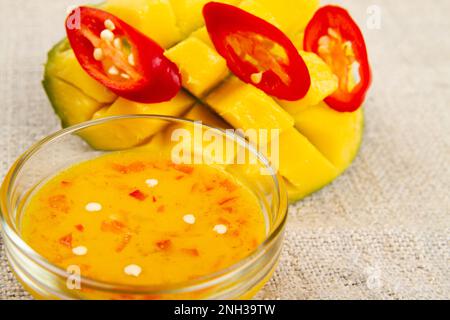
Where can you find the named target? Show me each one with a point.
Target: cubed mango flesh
(302, 164)
(129, 133)
(202, 113)
(292, 15)
(154, 18)
(337, 135)
(246, 107)
(189, 13)
(201, 67)
(194, 141)
(323, 83)
(202, 34)
(260, 10)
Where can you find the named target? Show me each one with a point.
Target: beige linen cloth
(380, 231)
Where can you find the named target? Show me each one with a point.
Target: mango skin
(62, 94)
(63, 64)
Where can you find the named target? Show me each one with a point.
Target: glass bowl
(88, 140)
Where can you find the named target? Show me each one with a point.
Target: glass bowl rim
(178, 287)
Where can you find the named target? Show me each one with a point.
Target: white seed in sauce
(220, 228)
(152, 182)
(132, 270)
(93, 207)
(189, 219)
(107, 35)
(125, 76)
(80, 251)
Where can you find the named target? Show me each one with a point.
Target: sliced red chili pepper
(121, 58)
(59, 202)
(113, 226)
(187, 169)
(133, 167)
(226, 200)
(192, 252)
(257, 52)
(124, 242)
(337, 39)
(229, 185)
(164, 244)
(66, 240)
(137, 194)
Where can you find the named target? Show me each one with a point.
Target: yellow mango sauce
(126, 218)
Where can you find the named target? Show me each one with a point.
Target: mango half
(316, 143)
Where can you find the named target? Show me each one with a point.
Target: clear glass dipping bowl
(64, 148)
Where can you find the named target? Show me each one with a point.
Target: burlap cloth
(379, 231)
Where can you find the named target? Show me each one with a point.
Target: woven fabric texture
(381, 230)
